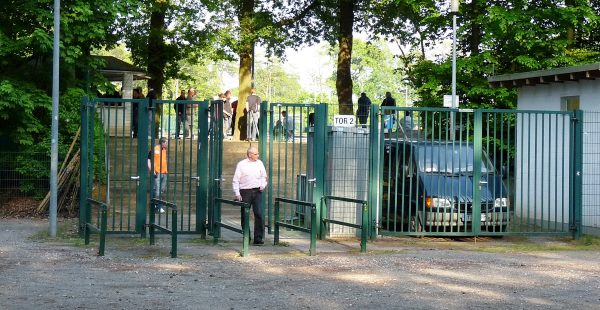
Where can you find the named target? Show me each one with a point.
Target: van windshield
(449, 159)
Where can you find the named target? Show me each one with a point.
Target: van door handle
(481, 182)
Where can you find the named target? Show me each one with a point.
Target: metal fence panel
(292, 174)
(591, 173)
(499, 172)
(118, 164)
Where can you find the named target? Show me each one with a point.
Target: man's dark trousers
(253, 196)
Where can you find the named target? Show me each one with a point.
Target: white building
(562, 89)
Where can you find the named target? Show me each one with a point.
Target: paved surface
(397, 273)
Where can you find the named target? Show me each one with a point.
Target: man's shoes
(258, 242)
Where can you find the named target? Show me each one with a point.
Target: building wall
(548, 97)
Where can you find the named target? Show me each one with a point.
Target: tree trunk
(475, 35)
(156, 52)
(246, 54)
(343, 83)
(156, 47)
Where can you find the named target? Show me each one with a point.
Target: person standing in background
(364, 104)
(137, 94)
(180, 117)
(227, 114)
(189, 113)
(390, 115)
(159, 168)
(253, 108)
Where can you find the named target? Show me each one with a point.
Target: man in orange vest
(159, 169)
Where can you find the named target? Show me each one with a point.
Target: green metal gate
(296, 158)
(499, 172)
(115, 165)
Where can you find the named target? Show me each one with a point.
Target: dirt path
(36, 273)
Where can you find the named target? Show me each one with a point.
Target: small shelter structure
(563, 89)
(117, 70)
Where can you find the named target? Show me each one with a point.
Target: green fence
(422, 171)
(498, 172)
(296, 136)
(118, 136)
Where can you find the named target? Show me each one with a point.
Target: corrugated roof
(558, 75)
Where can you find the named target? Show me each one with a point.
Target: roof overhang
(115, 69)
(559, 75)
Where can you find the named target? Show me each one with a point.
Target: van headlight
(434, 202)
(501, 203)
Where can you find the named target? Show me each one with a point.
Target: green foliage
(274, 84)
(368, 75)
(24, 113)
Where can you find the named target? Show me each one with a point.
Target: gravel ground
(397, 273)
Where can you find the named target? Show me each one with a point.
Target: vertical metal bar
(152, 221)
(121, 175)
(263, 135)
(364, 232)
(577, 173)
(202, 169)
(84, 168)
(246, 230)
(86, 228)
(54, 131)
(270, 162)
(276, 221)
(556, 178)
(187, 208)
(319, 149)
(375, 153)
(313, 229)
(543, 181)
(323, 206)
(142, 168)
(174, 232)
(103, 224)
(92, 148)
(477, 148)
(130, 170)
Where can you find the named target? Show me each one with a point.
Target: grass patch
(586, 243)
(67, 232)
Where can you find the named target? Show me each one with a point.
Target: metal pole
(54, 140)
(454, 103)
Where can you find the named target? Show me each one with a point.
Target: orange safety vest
(160, 159)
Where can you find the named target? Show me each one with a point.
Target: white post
(54, 130)
(454, 11)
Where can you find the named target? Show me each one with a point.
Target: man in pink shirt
(249, 182)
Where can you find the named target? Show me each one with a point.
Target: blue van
(428, 187)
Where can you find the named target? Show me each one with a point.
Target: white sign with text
(343, 120)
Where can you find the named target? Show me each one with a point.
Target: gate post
(319, 147)
(576, 175)
(202, 169)
(264, 133)
(271, 222)
(142, 168)
(375, 169)
(478, 150)
(83, 168)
